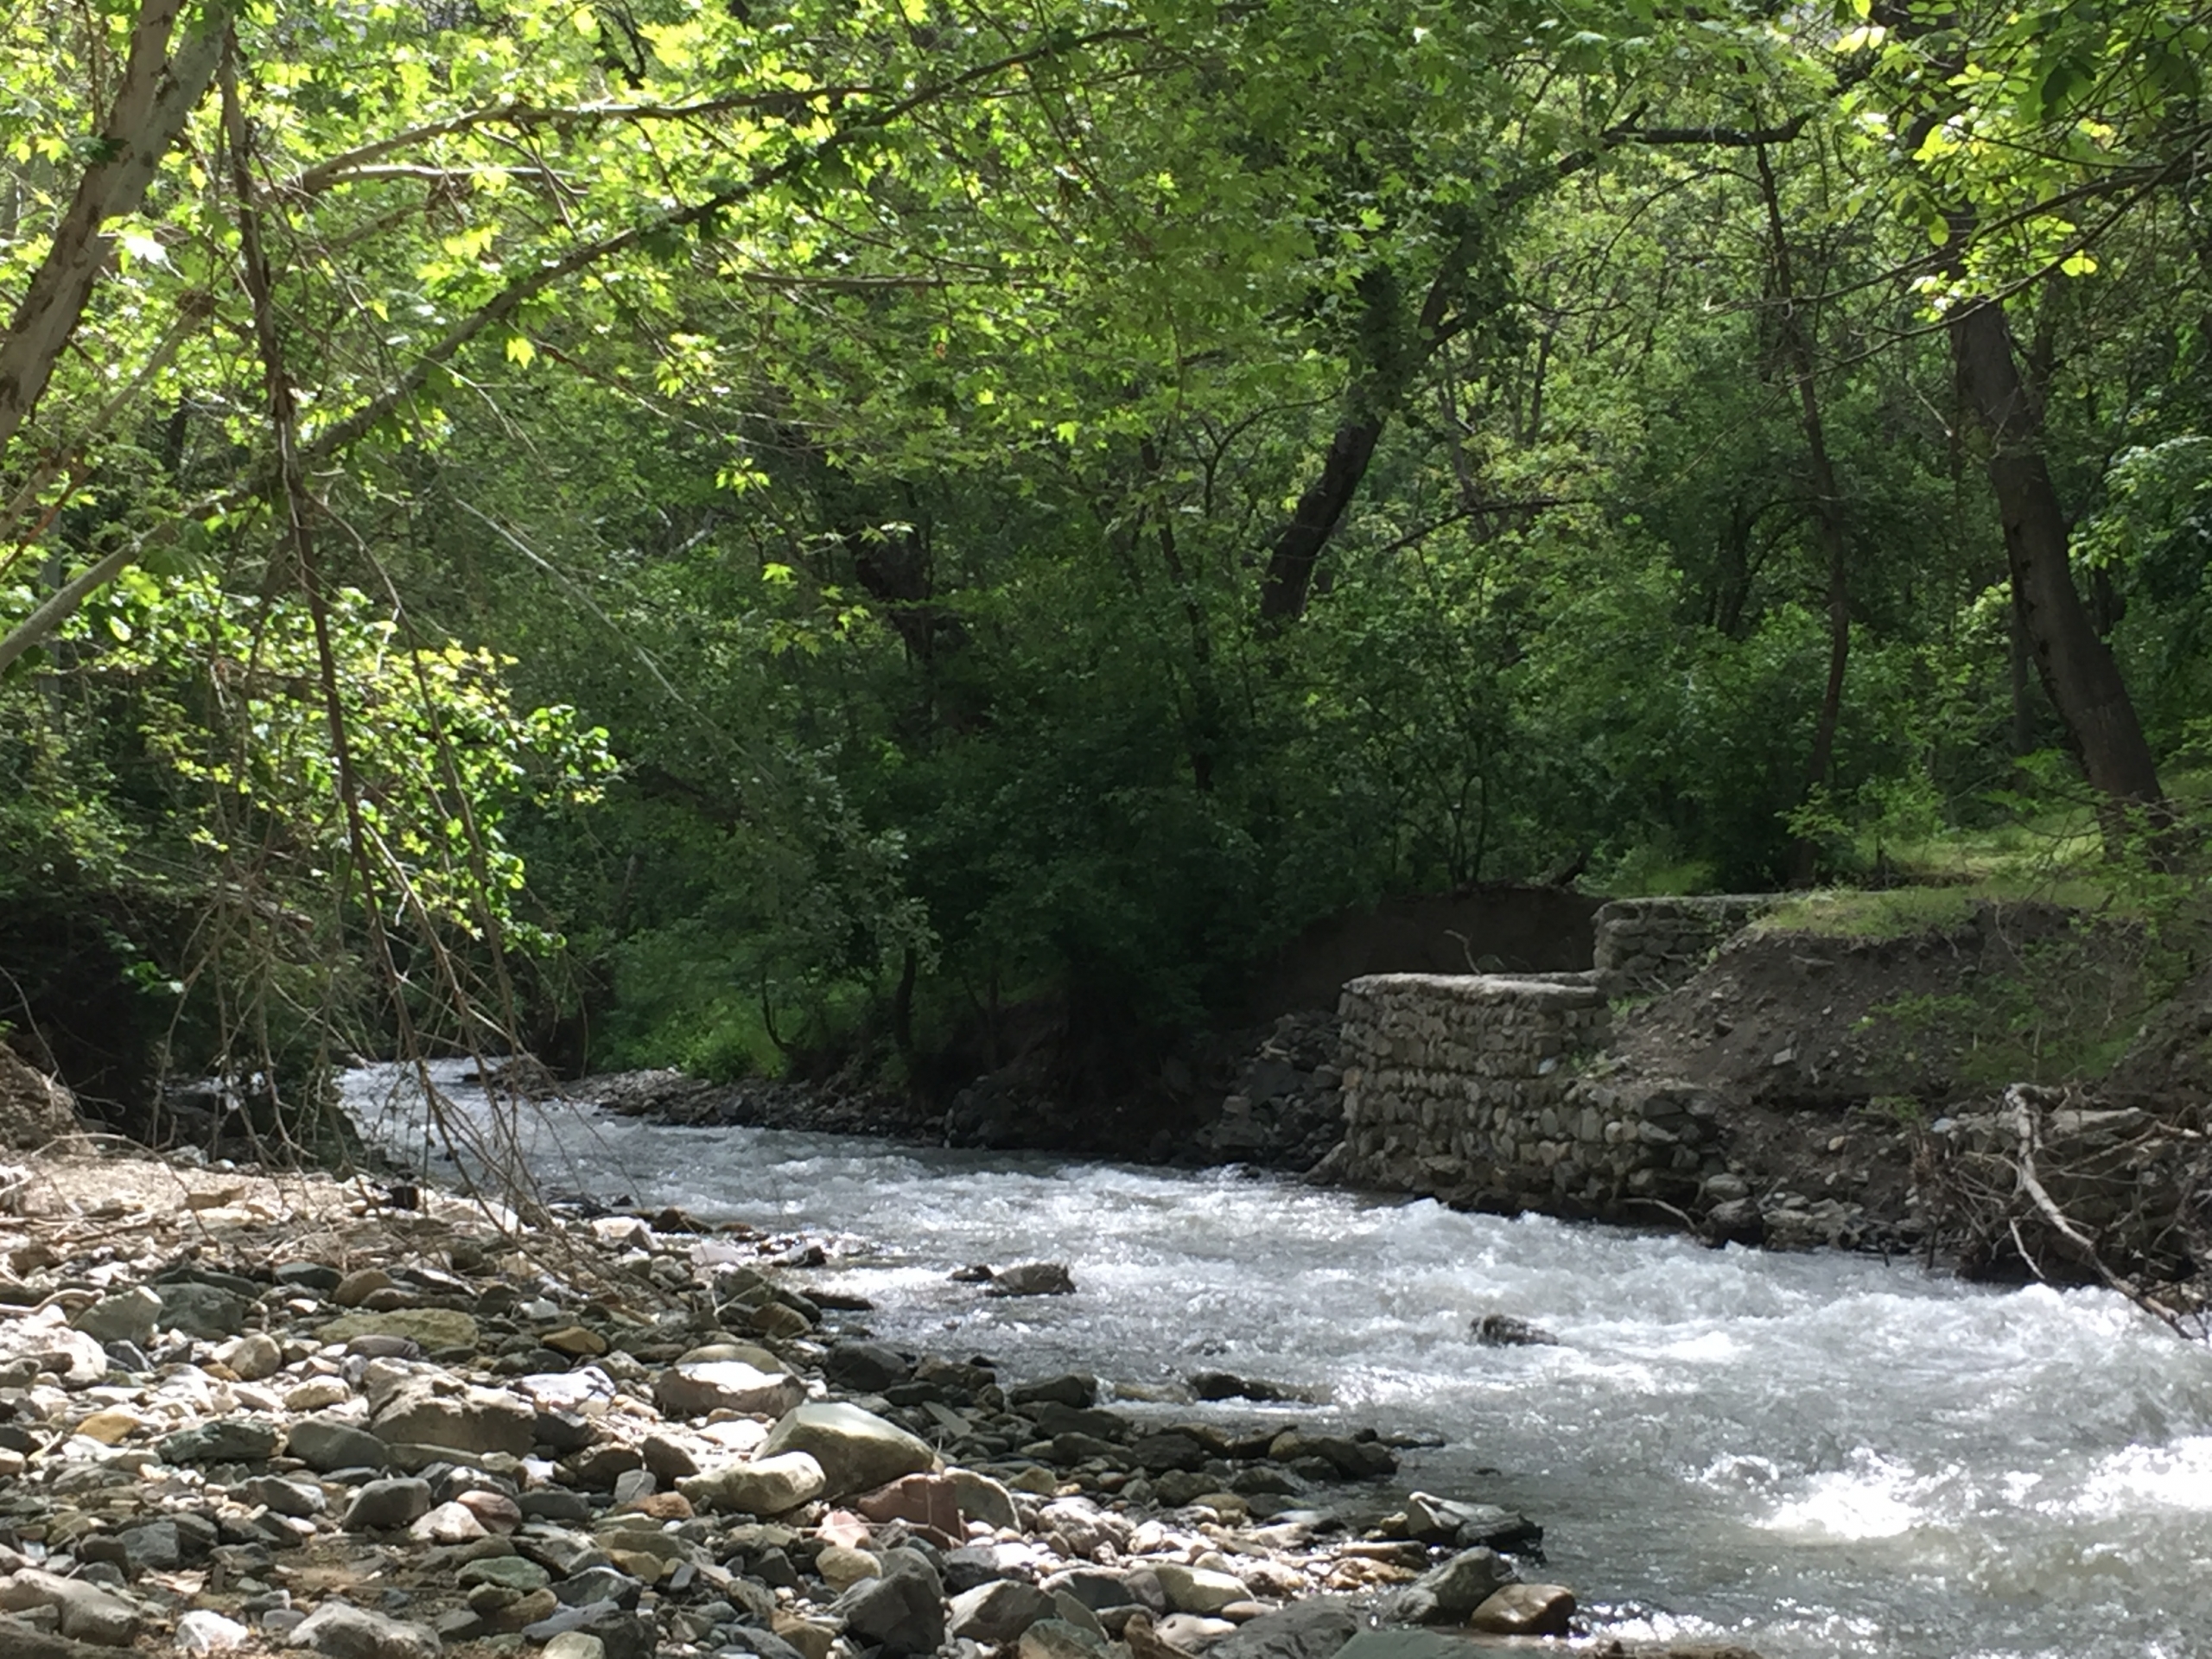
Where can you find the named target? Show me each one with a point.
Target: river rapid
(1814, 1455)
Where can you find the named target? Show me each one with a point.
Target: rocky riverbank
(241, 1414)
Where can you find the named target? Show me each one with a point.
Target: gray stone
(692, 1390)
(381, 1505)
(227, 1439)
(85, 1613)
(1201, 1590)
(762, 1644)
(1435, 1520)
(347, 1632)
(764, 1485)
(283, 1496)
(127, 1316)
(327, 1443)
(563, 1554)
(201, 1311)
(506, 1573)
(1055, 1638)
(998, 1611)
(430, 1411)
(982, 1498)
(901, 1613)
(153, 1546)
(621, 1635)
(865, 1367)
(1314, 1628)
(599, 1583)
(857, 1450)
(1447, 1595)
(554, 1503)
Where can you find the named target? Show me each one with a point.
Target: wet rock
(382, 1505)
(230, 1440)
(1526, 1609)
(574, 1644)
(347, 1632)
(999, 1612)
(1446, 1520)
(693, 1390)
(1033, 1279)
(1353, 1460)
(1505, 1330)
(1075, 1389)
(434, 1411)
(327, 1444)
(1227, 1385)
(1448, 1593)
(856, 1449)
(1313, 1629)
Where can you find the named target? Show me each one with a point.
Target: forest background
(723, 534)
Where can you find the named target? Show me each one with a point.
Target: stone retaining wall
(1466, 1088)
(1644, 946)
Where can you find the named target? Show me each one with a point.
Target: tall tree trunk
(2077, 670)
(1827, 515)
(158, 91)
(1382, 372)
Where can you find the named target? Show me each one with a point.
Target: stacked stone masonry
(1645, 946)
(1465, 1088)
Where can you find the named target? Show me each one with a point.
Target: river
(1814, 1455)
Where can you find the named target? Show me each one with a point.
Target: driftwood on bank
(2050, 1184)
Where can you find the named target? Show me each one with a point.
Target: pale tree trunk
(157, 93)
(2076, 667)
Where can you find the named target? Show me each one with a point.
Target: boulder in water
(1033, 1279)
(1505, 1330)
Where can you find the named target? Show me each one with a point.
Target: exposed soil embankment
(2020, 1094)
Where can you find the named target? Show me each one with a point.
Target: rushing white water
(1815, 1455)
